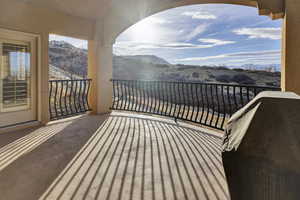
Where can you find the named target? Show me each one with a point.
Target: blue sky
(209, 34)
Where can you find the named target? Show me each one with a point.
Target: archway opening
(207, 38)
(198, 63)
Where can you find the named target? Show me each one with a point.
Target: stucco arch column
(100, 71)
(290, 79)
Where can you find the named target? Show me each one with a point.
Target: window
(14, 76)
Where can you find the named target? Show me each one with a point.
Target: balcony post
(43, 80)
(290, 76)
(100, 71)
(92, 68)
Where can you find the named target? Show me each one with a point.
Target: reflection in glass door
(17, 91)
(15, 77)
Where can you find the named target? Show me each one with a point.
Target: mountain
(68, 58)
(132, 69)
(148, 59)
(71, 62)
(57, 73)
(269, 68)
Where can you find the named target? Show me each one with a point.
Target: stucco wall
(24, 17)
(28, 18)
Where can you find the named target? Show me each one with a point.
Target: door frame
(19, 35)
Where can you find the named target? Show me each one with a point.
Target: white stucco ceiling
(89, 9)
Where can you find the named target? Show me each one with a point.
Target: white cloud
(215, 42)
(128, 47)
(266, 33)
(262, 55)
(199, 15)
(197, 31)
(137, 47)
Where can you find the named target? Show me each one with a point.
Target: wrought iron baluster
(179, 100)
(87, 94)
(60, 99)
(132, 96)
(171, 99)
(229, 101)
(218, 106)
(224, 107)
(75, 96)
(235, 98)
(128, 95)
(114, 95)
(83, 96)
(241, 96)
(166, 98)
(143, 95)
(155, 96)
(50, 100)
(140, 96)
(79, 95)
(65, 98)
(193, 102)
(203, 104)
(213, 105)
(122, 95)
(207, 104)
(174, 99)
(188, 103)
(147, 96)
(136, 95)
(184, 102)
(248, 95)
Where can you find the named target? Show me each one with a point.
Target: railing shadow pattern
(136, 158)
(68, 97)
(208, 104)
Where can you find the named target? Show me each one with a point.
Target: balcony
(162, 141)
(125, 155)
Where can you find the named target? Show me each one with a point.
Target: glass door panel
(15, 77)
(17, 81)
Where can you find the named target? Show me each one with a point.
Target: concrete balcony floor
(113, 156)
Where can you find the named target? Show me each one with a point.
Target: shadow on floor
(135, 158)
(33, 161)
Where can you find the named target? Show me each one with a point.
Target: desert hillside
(65, 57)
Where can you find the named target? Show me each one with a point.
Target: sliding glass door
(17, 80)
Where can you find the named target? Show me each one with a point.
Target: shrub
(238, 69)
(211, 76)
(243, 79)
(195, 75)
(272, 84)
(223, 78)
(222, 68)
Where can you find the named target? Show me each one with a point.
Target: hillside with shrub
(65, 57)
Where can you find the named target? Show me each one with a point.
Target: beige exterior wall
(24, 17)
(291, 47)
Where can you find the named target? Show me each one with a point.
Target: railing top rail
(202, 83)
(58, 80)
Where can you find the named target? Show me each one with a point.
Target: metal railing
(208, 104)
(68, 97)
